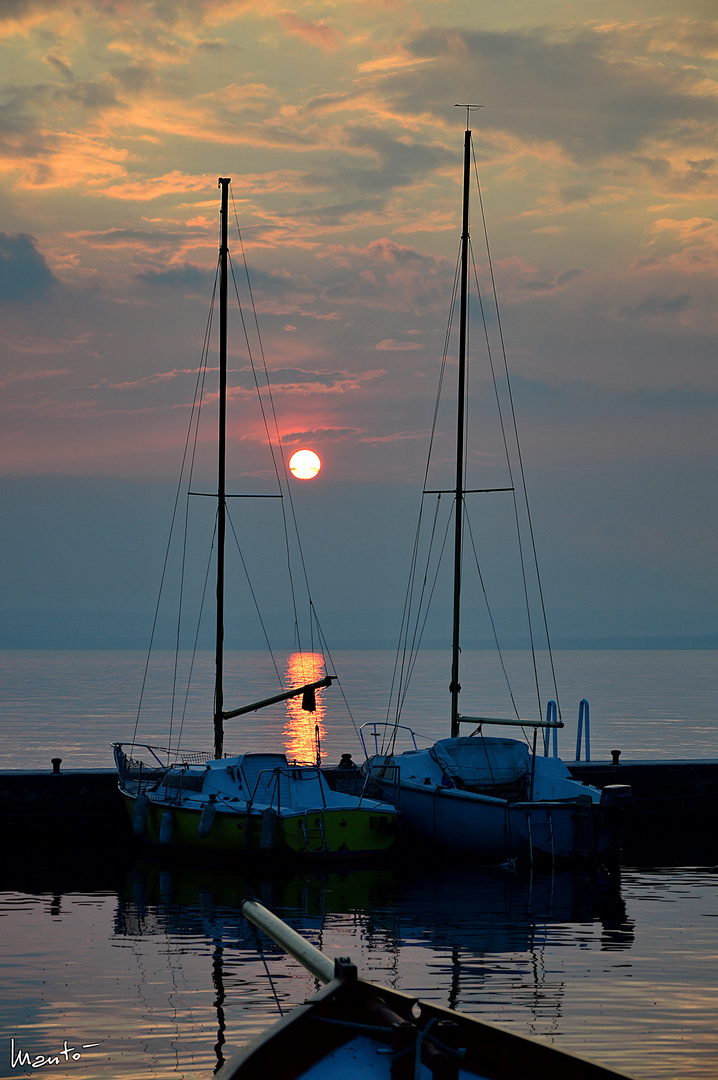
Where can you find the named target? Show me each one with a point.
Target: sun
(304, 464)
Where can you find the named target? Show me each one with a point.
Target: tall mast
(223, 183)
(455, 686)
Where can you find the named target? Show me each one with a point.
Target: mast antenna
(469, 110)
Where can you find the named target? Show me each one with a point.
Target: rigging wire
(286, 487)
(417, 596)
(522, 561)
(491, 616)
(254, 598)
(283, 480)
(524, 486)
(198, 625)
(194, 421)
(405, 657)
(184, 482)
(260, 400)
(421, 623)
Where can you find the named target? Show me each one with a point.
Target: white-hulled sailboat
(489, 797)
(249, 802)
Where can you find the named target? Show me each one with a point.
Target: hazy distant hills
(28, 629)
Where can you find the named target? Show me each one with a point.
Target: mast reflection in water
(303, 730)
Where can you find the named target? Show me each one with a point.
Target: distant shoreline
(31, 629)
(698, 643)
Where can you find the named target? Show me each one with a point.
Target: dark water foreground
(124, 964)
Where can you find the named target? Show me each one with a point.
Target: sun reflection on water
(304, 731)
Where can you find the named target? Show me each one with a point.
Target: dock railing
(583, 725)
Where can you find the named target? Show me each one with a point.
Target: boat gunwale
(434, 789)
(513, 1055)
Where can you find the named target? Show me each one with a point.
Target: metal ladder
(547, 827)
(584, 830)
(314, 832)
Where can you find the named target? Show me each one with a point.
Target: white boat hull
(491, 799)
(468, 824)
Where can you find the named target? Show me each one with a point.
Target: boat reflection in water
(304, 730)
(471, 938)
(152, 956)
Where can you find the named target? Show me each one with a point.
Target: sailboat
(482, 796)
(251, 802)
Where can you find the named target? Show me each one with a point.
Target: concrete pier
(85, 804)
(78, 803)
(669, 792)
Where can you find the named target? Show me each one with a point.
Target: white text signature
(36, 1061)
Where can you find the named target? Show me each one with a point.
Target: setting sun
(304, 464)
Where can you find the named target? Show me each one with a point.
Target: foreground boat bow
(354, 1028)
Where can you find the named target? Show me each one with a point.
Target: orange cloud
(148, 380)
(24, 376)
(172, 183)
(40, 346)
(394, 436)
(319, 34)
(319, 382)
(390, 345)
(695, 234)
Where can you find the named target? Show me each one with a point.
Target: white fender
(167, 827)
(139, 818)
(269, 829)
(206, 819)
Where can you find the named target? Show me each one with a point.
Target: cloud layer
(595, 146)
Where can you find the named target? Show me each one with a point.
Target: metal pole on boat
(223, 183)
(455, 686)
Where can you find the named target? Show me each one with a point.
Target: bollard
(56, 763)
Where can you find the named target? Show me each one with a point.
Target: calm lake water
(153, 962)
(73, 705)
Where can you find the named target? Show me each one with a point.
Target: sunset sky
(597, 147)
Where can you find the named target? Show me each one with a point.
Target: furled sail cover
(482, 762)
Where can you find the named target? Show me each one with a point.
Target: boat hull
(489, 798)
(467, 824)
(352, 832)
